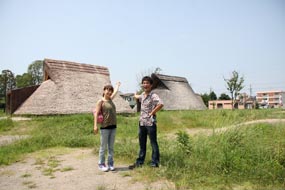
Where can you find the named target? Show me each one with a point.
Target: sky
(201, 40)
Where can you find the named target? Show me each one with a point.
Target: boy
(150, 104)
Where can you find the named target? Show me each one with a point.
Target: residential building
(271, 99)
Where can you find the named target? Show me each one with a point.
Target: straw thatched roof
(176, 93)
(69, 88)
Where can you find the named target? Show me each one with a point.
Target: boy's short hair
(147, 78)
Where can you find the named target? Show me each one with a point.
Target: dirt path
(17, 118)
(74, 170)
(7, 139)
(203, 131)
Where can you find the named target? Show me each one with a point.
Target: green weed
(6, 124)
(67, 168)
(26, 175)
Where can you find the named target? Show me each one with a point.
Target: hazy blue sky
(202, 40)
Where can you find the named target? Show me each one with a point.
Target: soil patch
(17, 118)
(7, 139)
(76, 169)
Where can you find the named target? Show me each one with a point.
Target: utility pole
(250, 91)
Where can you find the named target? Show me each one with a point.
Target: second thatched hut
(176, 93)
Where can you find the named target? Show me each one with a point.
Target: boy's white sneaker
(112, 168)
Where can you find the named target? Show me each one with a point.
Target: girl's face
(146, 86)
(108, 93)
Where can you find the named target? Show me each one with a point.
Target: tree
(224, 96)
(24, 80)
(213, 95)
(34, 76)
(205, 97)
(157, 70)
(7, 82)
(234, 86)
(36, 71)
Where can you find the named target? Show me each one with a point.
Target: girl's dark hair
(147, 78)
(108, 87)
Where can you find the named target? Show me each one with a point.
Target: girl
(108, 126)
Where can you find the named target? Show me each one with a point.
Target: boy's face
(146, 86)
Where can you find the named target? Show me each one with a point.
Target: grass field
(244, 157)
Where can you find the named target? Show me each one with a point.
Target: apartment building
(271, 99)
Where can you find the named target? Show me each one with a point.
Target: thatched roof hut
(69, 88)
(176, 93)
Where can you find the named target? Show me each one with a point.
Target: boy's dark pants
(143, 132)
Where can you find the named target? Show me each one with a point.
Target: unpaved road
(75, 170)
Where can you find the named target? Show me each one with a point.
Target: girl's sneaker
(103, 167)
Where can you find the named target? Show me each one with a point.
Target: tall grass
(6, 124)
(171, 120)
(51, 131)
(2, 113)
(247, 154)
(251, 156)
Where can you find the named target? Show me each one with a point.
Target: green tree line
(8, 80)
